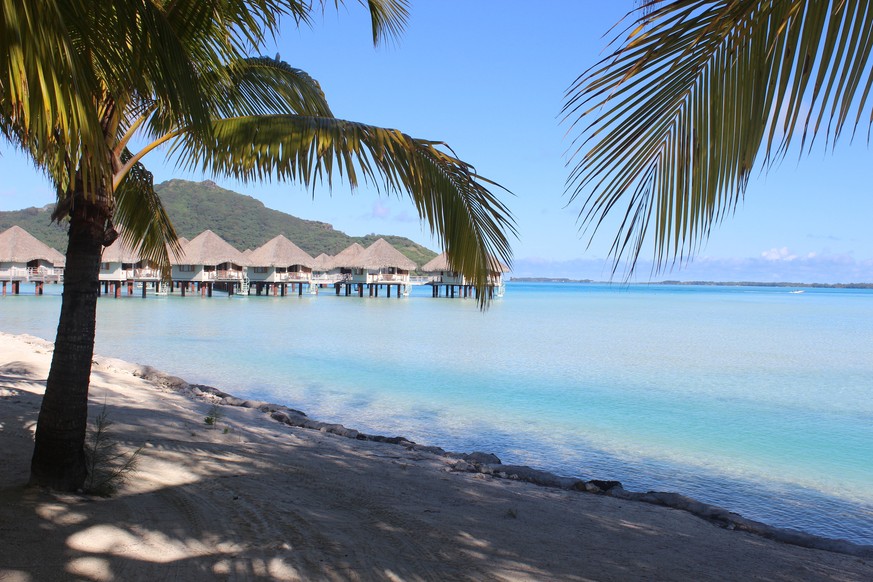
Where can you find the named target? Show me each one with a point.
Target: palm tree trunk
(59, 456)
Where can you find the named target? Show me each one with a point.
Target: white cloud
(380, 210)
(782, 254)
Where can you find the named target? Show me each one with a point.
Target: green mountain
(38, 222)
(241, 220)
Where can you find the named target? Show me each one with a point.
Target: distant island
(709, 283)
(549, 280)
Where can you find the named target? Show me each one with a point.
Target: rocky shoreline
(490, 464)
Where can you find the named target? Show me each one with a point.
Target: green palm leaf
(448, 193)
(388, 18)
(671, 124)
(44, 91)
(143, 221)
(253, 86)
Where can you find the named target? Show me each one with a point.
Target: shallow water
(751, 398)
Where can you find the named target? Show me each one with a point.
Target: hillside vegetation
(38, 222)
(241, 220)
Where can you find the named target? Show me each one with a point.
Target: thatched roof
(322, 262)
(280, 252)
(207, 248)
(119, 252)
(350, 257)
(19, 246)
(381, 255)
(438, 263)
(441, 263)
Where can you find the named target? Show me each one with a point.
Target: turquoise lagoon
(752, 398)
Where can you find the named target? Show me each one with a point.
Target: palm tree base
(59, 453)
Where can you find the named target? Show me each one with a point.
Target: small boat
(796, 292)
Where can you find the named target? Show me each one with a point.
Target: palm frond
(143, 221)
(262, 85)
(388, 18)
(449, 195)
(44, 92)
(252, 86)
(670, 126)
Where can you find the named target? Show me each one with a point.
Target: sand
(253, 499)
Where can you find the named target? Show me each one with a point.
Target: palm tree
(176, 73)
(699, 92)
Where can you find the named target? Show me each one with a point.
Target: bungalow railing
(388, 278)
(14, 273)
(294, 276)
(46, 274)
(146, 273)
(327, 278)
(225, 274)
(42, 273)
(491, 281)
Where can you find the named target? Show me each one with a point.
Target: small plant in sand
(108, 467)
(214, 415)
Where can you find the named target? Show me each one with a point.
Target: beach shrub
(214, 415)
(108, 466)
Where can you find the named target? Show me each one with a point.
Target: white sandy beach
(255, 499)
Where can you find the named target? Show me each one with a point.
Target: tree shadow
(247, 504)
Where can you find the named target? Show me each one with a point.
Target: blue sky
(488, 77)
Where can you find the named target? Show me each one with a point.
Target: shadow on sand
(266, 502)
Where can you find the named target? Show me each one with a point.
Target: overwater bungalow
(278, 264)
(322, 265)
(122, 266)
(444, 278)
(379, 265)
(24, 258)
(207, 261)
(117, 267)
(323, 273)
(386, 266)
(348, 268)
